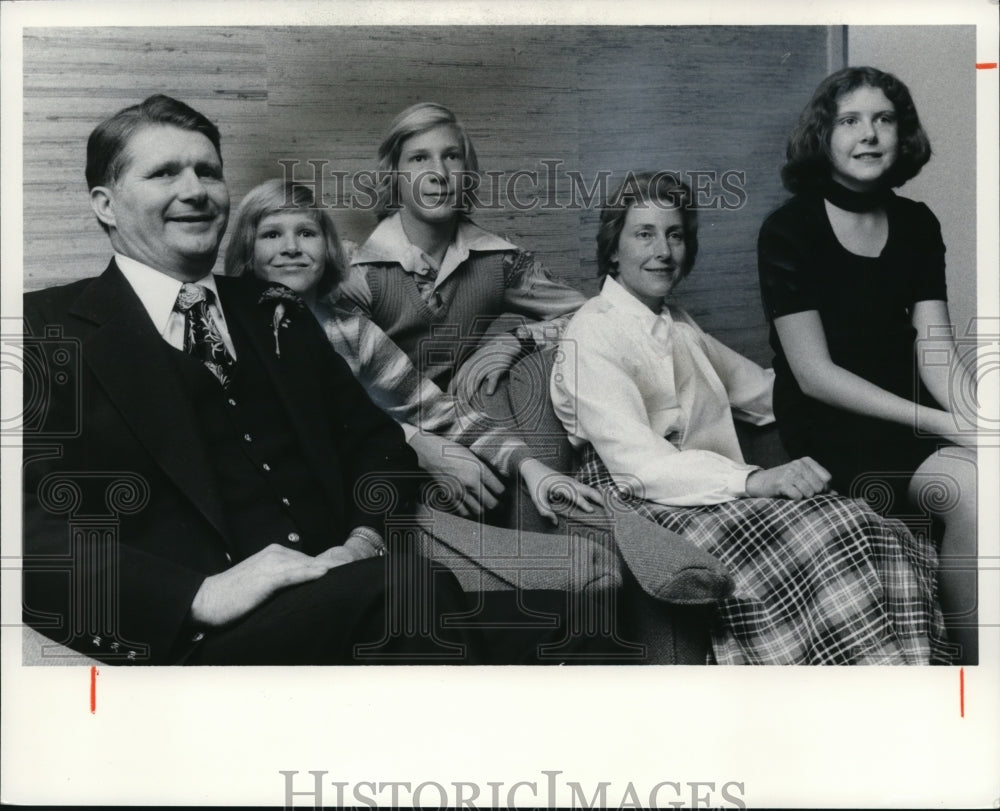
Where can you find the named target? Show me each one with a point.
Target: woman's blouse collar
(621, 299)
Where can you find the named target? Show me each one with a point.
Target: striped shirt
(395, 386)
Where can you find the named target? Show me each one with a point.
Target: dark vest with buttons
(269, 492)
(437, 341)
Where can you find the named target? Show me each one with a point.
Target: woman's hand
(799, 479)
(473, 487)
(550, 490)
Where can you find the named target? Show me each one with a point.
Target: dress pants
(349, 616)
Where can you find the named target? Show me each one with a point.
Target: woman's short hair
(106, 146)
(663, 189)
(271, 197)
(808, 153)
(413, 121)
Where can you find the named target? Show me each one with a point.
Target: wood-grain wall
(593, 99)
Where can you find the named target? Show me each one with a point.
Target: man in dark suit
(202, 484)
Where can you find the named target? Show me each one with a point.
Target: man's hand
(234, 593)
(799, 479)
(337, 556)
(550, 490)
(486, 366)
(474, 486)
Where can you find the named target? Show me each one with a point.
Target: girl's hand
(467, 485)
(955, 426)
(802, 478)
(550, 490)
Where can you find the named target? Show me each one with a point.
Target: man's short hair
(106, 145)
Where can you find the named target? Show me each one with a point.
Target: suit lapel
(126, 356)
(293, 374)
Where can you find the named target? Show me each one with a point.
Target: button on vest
(269, 492)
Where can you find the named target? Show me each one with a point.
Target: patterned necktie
(425, 274)
(202, 338)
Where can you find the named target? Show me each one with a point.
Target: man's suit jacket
(121, 504)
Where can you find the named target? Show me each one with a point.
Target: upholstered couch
(663, 598)
(623, 584)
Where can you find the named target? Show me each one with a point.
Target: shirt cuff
(738, 481)
(544, 333)
(518, 455)
(409, 431)
(505, 453)
(526, 340)
(365, 542)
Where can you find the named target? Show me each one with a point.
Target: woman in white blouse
(650, 400)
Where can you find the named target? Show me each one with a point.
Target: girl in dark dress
(853, 283)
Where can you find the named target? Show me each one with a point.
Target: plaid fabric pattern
(820, 581)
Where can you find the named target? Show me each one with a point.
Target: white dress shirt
(158, 293)
(656, 396)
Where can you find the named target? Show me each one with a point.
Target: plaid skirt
(824, 580)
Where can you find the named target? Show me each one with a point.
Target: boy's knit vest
(437, 341)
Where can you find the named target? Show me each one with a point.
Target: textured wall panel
(73, 78)
(595, 99)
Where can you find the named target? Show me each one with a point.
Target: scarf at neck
(857, 201)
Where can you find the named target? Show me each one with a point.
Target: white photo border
(788, 737)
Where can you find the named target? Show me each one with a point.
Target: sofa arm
(666, 565)
(533, 415)
(489, 558)
(37, 649)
